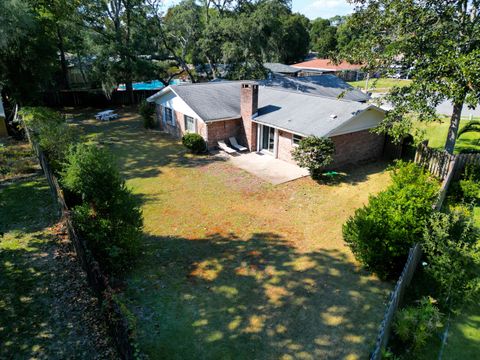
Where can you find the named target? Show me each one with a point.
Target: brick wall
(222, 130)
(248, 107)
(178, 130)
(285, 146)
(350, 148)
(358, 146)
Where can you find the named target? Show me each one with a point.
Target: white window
(189, 124)
(296, 139)
(169, 119)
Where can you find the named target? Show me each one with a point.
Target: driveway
(266, 167)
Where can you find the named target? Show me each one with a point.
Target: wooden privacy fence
(116, 318)
(438, 162)
(444, 166)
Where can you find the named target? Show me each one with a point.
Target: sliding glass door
(268, 138)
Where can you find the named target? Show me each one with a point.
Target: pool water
(148, 85)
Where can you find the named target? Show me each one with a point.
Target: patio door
(268, 139)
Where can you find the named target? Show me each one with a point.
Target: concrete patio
(266, 167)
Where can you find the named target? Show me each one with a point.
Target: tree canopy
(121, 41)
(438, 41)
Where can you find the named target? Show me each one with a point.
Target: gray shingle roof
(281, 68)
(212, 101)
(300, 112)
(304, 114)
(325, 85)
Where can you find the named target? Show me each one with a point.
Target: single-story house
(344, 70)
(3, 126)
(269, 119)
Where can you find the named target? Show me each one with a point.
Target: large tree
(323, 37)
(438, 40)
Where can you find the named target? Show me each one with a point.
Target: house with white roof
(272, 117)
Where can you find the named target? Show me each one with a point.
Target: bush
(470, 183)
(314, 153)
(52, 134)
(147, 111)
(452, 254)
(109, 218)
(381, 233)
(416, 324)
(194, 142)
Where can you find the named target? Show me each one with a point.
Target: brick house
(344, 70)
(269, 119)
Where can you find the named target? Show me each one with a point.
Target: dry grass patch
(234, 267)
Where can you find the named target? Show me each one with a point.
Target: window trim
(172, 118)
(185, 117)
(293, 139)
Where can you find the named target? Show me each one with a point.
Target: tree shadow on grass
(143, 153)
(223, 297)
(352, 174)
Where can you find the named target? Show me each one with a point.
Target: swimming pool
(148, 85)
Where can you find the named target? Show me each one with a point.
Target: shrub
(416, 324)
(381, 233)
(470, 183)
(147, 111)
(314, 153)
(109, 217)
(194, 142)
(51, 132)
(451, 248)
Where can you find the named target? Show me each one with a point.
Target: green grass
(436, 133)
(233, 267)
(380, 85)
(46, 311)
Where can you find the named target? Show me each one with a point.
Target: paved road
(444, 108)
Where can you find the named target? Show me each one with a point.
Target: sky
(321, 8)
(311, 8)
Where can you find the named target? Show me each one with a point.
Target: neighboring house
(269, 119)
(3, 125)
(326, 85)
(344, 70)
(277, 68)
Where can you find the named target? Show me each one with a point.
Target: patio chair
(236, 145)
(225, 147)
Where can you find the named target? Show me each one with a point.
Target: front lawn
(436, 133)
(380, 85)
(233, 267)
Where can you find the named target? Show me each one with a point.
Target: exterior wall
(357, 147)
(349, 148)
(178, 130)
(285, 146)
(222, 130)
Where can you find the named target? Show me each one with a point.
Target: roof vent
(333, 116)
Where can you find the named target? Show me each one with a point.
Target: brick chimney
(249, 107)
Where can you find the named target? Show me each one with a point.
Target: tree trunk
(128, 84)
(454, 125)
(63, 60)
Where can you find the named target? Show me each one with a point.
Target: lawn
(380, 85)
(46, 309)
(436, 133)
(233, 267)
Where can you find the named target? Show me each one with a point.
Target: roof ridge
(308, 94)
